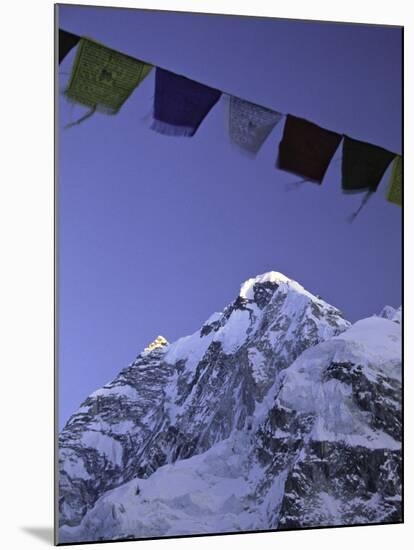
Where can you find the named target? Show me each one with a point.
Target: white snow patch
(372, 344)
(258, 363)
(216, 316)
(123, 427)
(375, 341)
(389, 312)
(125, 390)
(190, 349)
(74, 467)
(330, 504)
(84, 409)
(365, 438)
(203, 494)
(233, 334)
(104, 444)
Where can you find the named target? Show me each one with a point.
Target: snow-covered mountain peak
(255, 288)
(273, 410)
(374, 341)
(159, 342)
(272, 315)
(389, 312)
(247, 288)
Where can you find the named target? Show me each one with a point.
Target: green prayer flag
(394, 193)
(363, 165)
(103, 79)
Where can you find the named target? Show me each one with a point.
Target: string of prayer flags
(103, 79)
(363, 165)
(250, 124)
(67, 41)
(394, 193)
(180, 104)
(306, 149)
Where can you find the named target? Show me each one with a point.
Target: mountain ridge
(227, 382)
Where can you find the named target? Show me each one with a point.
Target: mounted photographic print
(228, 272)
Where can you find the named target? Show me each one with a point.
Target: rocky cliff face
(277, 413)
(333, 435)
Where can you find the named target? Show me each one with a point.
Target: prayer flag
(394, 193)
(67, 41)
(363, 165)
(103, 79)
(250, 124)
(180, 104)
(306, 149)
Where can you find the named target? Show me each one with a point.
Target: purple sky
(157, 233)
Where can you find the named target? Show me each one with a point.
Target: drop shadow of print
(42, 533)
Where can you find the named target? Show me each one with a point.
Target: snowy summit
(277, 413)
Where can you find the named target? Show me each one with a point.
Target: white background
(26, 273)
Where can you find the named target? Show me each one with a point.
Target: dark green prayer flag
(363, 165)
(67, 41)
(103, 79)
(394, 193)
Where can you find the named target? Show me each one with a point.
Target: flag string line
(223, 92)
